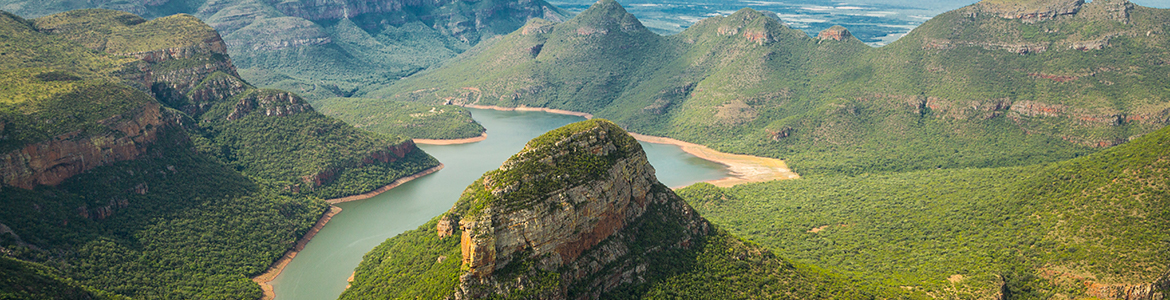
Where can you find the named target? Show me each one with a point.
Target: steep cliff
(122, 170)
(578, 214)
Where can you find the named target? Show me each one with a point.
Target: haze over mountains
(323, 49)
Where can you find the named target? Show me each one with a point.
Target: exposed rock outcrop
(566, 207)
(836, 33)
(270, 103)
(1031, 11)
(61, 157)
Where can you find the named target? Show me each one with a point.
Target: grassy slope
(410, 119)
(1044, 229)
(833, 107)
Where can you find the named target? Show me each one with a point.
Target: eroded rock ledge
(564, 213)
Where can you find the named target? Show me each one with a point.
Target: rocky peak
(836, 33)
(562, 208)
(759, 27)
(1031, 10)
(604, 17)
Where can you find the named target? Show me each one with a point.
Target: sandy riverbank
(380, 190)
(451, 141)
(526, 108)
(277, 267)
(274, 270)
(744, 168)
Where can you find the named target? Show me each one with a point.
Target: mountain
(997, 83)
(136, 162)
(1094, 227)
(412, 119)
(324, 49)
(578, 213)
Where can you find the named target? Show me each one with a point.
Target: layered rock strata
(566, 208)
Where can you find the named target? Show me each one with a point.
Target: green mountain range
(136, 162)
(1005, 150)
(323, 49)
(969, 88)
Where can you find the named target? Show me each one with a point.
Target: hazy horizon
(875, 22)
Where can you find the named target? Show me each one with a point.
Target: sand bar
(277, 267)
(526, 108)
(744, 168)
(481, 137)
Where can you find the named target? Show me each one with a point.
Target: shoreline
(396, 183)
(743, 168)
(277, 267)
(528, 108)
(482, 136)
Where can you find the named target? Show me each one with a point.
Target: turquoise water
(321, 269)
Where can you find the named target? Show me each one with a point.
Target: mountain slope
(1094, 226)
(962, 90)
(109, 179)
(579, 214)
(324, 49)
(412, 119)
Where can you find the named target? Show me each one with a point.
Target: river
(321, 269)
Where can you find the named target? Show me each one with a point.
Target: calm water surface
(320, 271)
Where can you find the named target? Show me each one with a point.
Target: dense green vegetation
(285, 150)
(416, 264)
(676, 254)
(122, 32)
(179, 225)
(399, 118)
(947, 95)
(25, 280)
(420, 264)
(208, 203)
(1042, 230)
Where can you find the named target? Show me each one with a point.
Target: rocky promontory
(577, 214)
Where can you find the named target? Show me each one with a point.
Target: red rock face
(61, 157)
(836, 33)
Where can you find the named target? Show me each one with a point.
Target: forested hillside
(111, 185)
(324, 49)
(1095, 226)
(974, 87)
(411, 119)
